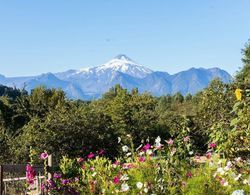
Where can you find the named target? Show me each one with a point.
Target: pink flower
(80, 160)
(170, 142)
(116, 180)
(146, 147)
(44, 155)
(91, 155)
(212, 145)
(208, 155)
(189, 174)
(223, 182)
(116, 163)
(186, 139)
(30, 174)
(127, 166)
(92, 168)
(141, 159)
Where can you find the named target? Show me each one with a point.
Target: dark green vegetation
(47, 120)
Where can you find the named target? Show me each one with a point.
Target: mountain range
(91, 83)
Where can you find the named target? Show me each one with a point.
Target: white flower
(226, 168)
(145, 190)
(139, 185)
(237, 178)
(229, 164)
(173, 151)
(94, 174)
(238, 192)
(220, 171)
(129, 154)
(225, 183)
(246, 182)
(191, 152)
(124, 187)
(125, 148)
(119, 140)
(149, 152)
(124, 177)
(211, 164)
(158, 142)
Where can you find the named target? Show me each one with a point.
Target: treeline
(46, 120)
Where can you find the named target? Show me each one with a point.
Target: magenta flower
(146, 147)
(116, 180)
(212, 145)
(101, 152)
(170, 142)
(44, 155)
(141, 159)
(30, 174)
(91, 155)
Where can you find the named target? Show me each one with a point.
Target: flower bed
(172, 168)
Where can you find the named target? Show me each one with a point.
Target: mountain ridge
(91, 83)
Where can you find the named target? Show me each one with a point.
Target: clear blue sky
(52, 36)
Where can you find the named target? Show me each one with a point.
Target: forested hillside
(46, 119)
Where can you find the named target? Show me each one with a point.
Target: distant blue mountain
(91, 83)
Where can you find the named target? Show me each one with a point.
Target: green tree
(243, 76)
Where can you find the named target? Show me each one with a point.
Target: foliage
(151, 169)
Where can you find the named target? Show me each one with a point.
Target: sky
(166, 35)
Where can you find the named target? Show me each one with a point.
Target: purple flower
(44, 155)
(51, 183)
(57, 175)
(101, 152)
(65, 181)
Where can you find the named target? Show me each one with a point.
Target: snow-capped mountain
(89, 83)
(120, 63)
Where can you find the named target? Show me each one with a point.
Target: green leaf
(234, 121)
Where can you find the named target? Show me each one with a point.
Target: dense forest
(46, 120)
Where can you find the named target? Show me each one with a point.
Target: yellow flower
(238, 94)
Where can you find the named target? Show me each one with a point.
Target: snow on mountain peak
(120, 63)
